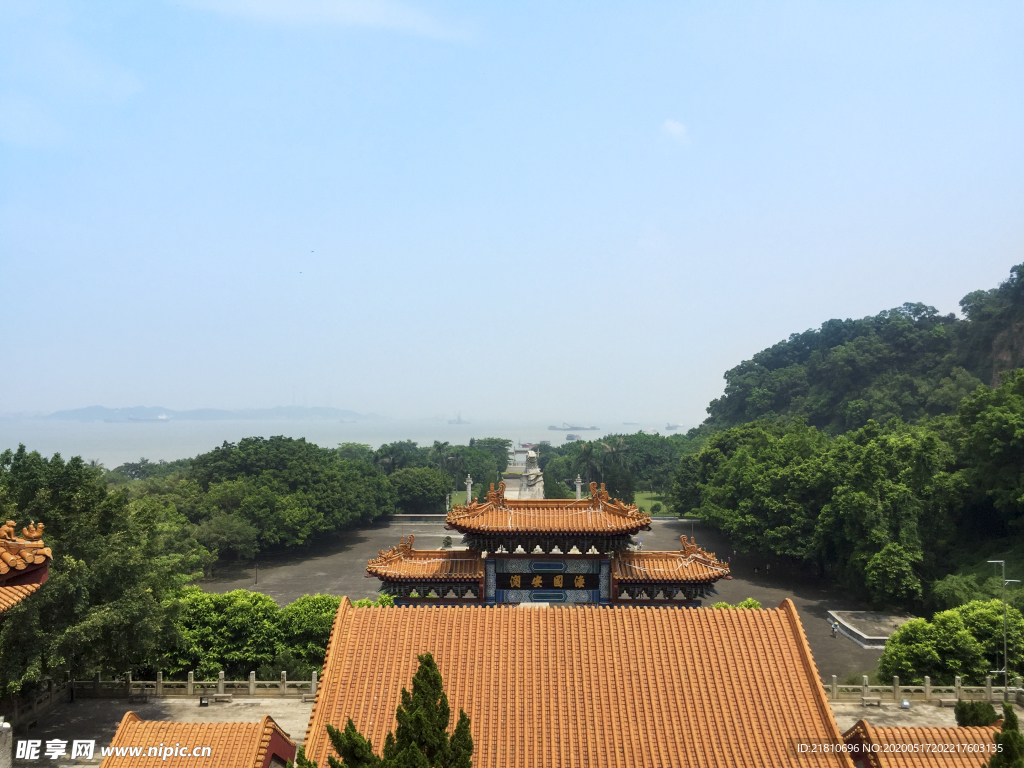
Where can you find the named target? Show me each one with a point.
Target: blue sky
(573, 211)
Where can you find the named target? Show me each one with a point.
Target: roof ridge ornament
(497, 497)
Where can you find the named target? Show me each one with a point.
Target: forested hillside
(882, 452)
(904, 363)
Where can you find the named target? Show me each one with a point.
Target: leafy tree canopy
(905, 363)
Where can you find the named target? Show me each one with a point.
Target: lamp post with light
(1006, 665)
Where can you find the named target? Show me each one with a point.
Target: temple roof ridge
(690, 563)
(18, 553)
(402, 561)
(604, 514)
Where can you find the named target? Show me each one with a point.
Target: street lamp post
(1006, 665)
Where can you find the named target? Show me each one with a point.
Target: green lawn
(645, 499)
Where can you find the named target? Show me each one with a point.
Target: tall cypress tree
(421, 739)
(1010, 742)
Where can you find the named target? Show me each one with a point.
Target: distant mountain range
(154, 413)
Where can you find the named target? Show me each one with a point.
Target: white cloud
(380, 14)
(676, 130)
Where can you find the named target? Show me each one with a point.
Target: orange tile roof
(11, 596)
(865, 733)
(597, 514)
(19, 554)
(232, 745)
(568, 687)
(404, 562)
(691, 563)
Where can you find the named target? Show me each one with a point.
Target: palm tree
(384, 459)
(614, 453)
(587, 462)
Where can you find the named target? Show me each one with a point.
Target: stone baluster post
(579, 487)
(896, 688)
(312, 688)
(190, 686)
(284, 682)
(159, 683)
(6, 744)
(988, 688)
(927, 688)
(128, 683)
(220, 681)
(864, 685)
(956, 683)
(252, 683)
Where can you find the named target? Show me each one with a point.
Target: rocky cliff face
(1007, 351)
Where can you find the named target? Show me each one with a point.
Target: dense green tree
(420, 490)
(225, 534)
(685, 495)
(974, 713)
(850, 505)
(993, 445)
(965, 641)
(555, 488)
(619, 483)
(421, 738)
(285, 490)
(1009, 741)
(905, 363)
(306, 624)
(890, 577)
(116, 562)
(498, 447)
(234, 632)
(355, 452)
(401, 454)
(479, 463)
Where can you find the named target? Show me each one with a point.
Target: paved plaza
(98, 719)
(339, 568)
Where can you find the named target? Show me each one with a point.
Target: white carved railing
(926, 691)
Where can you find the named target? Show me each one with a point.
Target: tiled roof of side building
(404, 562)
(921, 751)
(11, 596)
(232, 745)
(568, 687)
(690, 563)
(17, 554)
(596, 514)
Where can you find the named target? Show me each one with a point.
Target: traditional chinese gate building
(577, 551)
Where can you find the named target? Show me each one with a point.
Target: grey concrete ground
(98, 718)
(334, 567)
(339, 568)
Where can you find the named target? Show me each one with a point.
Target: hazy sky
(575, 211)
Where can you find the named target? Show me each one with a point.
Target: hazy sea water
(115, 443)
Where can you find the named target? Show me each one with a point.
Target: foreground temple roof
(11, 596)
(569, 687)
(232, 745)
(597, 514)
(864, 733)
(689, 564)
(24, 563)
(407, 564)
(20, 554)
